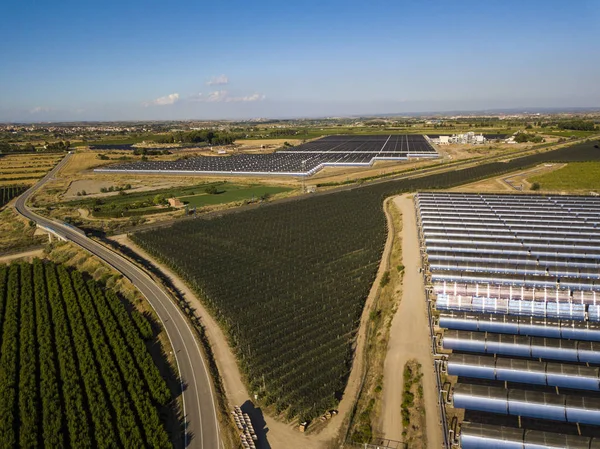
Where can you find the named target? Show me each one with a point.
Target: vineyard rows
(288, 281)
(7, 193)
(74, 367)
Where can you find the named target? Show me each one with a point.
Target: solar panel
(302, 160)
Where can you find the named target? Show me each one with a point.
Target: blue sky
(111, 60)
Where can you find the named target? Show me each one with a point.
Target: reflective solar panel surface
(302, 160)
(516, 282)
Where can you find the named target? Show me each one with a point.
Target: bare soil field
(409, 338)
(465, 151)
(93, 185)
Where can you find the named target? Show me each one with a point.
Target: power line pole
(303, 176)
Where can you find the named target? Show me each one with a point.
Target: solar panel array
(515, 280)
(302, 160)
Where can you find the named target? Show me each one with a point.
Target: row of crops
(7, 193)
(289, 281)
(75, 370)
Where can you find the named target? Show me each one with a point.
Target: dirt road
(409, 338)
(27, 255)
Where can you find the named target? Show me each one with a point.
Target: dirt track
(27, 255)
(409, 338)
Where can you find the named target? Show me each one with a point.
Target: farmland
(75, 370)
(26, 168)
(128, 204)
(288, 281)
(7, 193)
(579, 176)
(231, 194)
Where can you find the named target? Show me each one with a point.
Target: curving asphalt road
(202, 430)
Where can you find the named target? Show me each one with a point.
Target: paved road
(198, 402)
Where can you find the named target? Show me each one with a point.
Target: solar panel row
(520, 325)
(521, 371)
(478, 436)
(533, 404)
(302, 160)
(517, 281)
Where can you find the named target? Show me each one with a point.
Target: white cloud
(253, 97)
(38, 109)
(163, 101)
(216, 96)
(222, 96)
(218, 80)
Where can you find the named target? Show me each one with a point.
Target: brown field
(25, 168)
(267, 143)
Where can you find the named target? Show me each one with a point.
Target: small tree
(211, 190)
(535, 186)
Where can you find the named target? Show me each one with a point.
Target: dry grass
(15, 231)
(413, 407)
(25, 168)
(82, 160)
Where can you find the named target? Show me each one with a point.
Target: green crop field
(231, 193)
(569, 132)
(75, 370)
(288, 281)
(131, 203)
(576, 176)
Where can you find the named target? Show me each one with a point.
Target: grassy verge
(365, 413)
(413, 406)
(576, 176)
